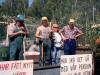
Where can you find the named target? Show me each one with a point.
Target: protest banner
(76, 64)
(22, 67)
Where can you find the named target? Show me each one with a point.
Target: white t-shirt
(56, 39)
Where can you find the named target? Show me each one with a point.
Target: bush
(4, 53)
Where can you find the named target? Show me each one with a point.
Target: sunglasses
(55, 27)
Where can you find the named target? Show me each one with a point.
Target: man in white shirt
(56, 45)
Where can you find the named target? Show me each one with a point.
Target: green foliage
(14, 7)
(58, 11)
(4, 53)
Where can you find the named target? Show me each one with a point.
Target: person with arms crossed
(16, 32)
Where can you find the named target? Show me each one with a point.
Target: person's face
(44, 22)
(19, 23)
(56, 28)
(71, 24)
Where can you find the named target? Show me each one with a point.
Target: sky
(1, 1)
(30, 2)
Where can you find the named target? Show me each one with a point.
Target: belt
(45, 39)
(70, 39)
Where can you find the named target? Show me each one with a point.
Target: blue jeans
(70, 47)
(55, 55)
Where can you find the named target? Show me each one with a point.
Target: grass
(4, 53)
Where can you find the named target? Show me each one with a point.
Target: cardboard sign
(23, 67)
(76, 64)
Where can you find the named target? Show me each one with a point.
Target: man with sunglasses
(16, 32)
(71, 33)
(56, 45)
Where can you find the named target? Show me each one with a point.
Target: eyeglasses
(55, 27)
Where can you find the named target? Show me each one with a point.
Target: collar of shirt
(70, 28)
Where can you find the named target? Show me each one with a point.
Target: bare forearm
(62, 35)
(38, 36)
(17, 33)
(78, 35)
(14, 34)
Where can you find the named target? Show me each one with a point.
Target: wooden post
(42, 54)
(24, 50)
(7, 36)
(50, 26)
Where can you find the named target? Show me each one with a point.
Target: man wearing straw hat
(16, 32)
(44, 42)
(71, 33)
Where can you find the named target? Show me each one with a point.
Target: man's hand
(63, 38)
(51, 30)
(78, 35)
(22, 28)
(27, 33)
(22, 32)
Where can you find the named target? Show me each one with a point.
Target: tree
(14, 7)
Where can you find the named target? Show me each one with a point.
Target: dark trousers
(70, 47)
(15, 52)
(16, 48)
(46, 52)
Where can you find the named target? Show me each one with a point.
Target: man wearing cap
(43, 33)
(71, 33)
(16, 32)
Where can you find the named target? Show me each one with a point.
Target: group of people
(51, 40)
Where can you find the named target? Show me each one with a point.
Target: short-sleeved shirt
(70, 33)
(12, 27)
(56, 39)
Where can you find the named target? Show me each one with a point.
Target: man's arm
(11, 29)
(24, 29)
(14, 34)
(11, 32)
(17, 33)
(80, 33)
(61, 33)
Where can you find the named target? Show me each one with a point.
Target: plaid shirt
(70, 33)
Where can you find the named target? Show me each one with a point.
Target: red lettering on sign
(28, 65)
(16, 65)
(19, 73)
(4, 67)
